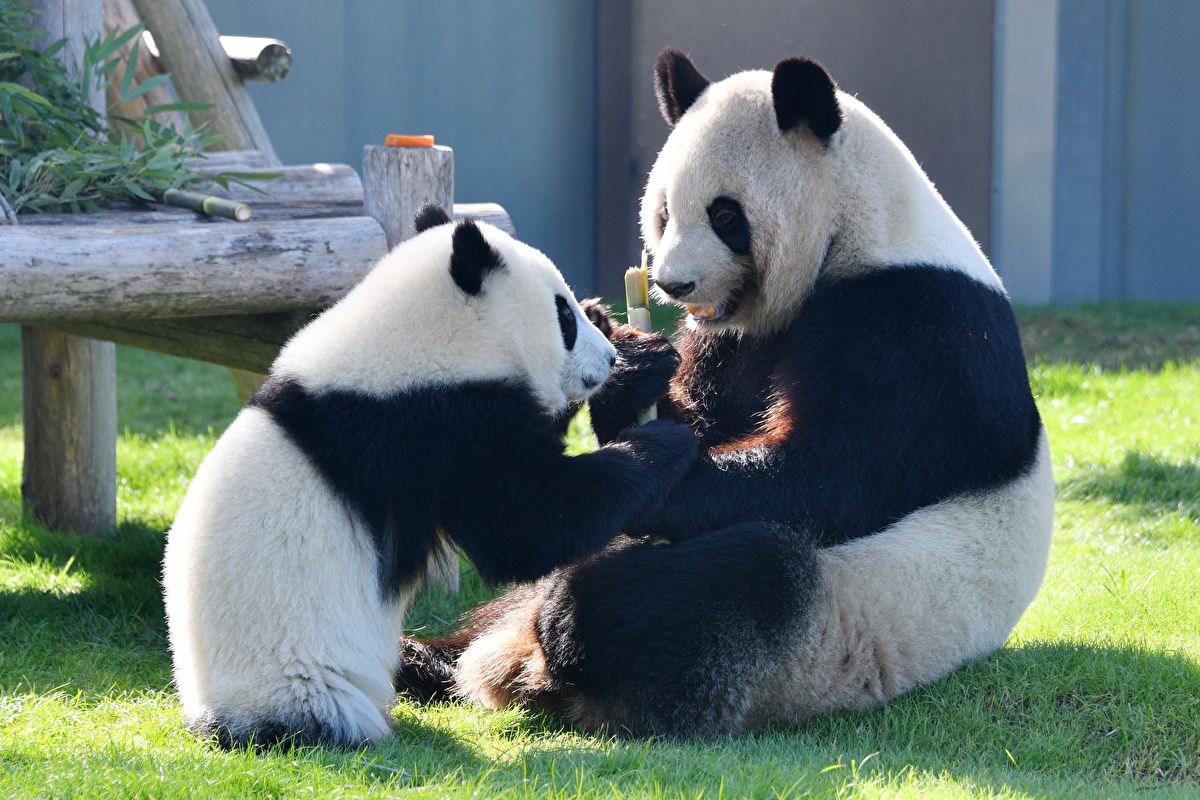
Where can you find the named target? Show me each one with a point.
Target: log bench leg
(69, 395)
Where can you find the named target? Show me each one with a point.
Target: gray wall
(1098, 190)
(925, 66)
(510, 86)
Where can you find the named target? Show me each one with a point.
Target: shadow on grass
(1032, 717)
(1142, 336)
(1144, 480)
(82, 614)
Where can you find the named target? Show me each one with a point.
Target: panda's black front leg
(539, 509)
(640, 378)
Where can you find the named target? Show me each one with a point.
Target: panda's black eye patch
(566, 321)
(730, 224)
(663, 217)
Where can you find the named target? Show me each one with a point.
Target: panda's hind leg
(658, 640)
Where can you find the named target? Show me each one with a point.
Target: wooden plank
(96, 272)
(241, 342)
(69, 384)
(398, 181)
(190, 48)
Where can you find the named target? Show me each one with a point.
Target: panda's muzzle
(676, 291)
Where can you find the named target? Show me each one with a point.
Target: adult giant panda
(874, 505)
(423, 408)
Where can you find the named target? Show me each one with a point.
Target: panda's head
(458, 302)
(769, 179)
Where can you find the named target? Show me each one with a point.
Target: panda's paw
(668, 448)
(599, 314)
(642, 375)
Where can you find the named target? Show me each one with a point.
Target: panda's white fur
(279, 625)
(942, 585)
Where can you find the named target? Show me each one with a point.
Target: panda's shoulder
(921, 304)
(917, 332)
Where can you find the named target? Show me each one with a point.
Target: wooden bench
(169, 280)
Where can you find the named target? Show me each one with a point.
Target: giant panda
(874, 502)
(422, 410)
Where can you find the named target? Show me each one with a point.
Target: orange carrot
(396, 140)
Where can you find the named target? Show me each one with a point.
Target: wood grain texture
(397, 181)
(69, 384)
(190, 48)
(96, 272)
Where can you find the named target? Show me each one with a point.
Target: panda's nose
(677, 290)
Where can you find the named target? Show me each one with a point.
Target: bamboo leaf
(145, 86)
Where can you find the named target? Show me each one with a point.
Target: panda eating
(874, 501)
(423, 409)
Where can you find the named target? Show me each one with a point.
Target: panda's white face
(501, 312)
(530, 308)
(736, 215)
(769, 179)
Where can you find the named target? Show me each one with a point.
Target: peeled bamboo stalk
(637, 307)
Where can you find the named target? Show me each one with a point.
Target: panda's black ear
(430, 216)
(803, 92)
(472, 258)
(677, 83)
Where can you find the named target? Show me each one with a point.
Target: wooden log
(325, 183)
(94, 272)
(69, 401)
(264, 211)
(190, 49)
(256, 58)
(247, 343)
(69, 384)
(397, 181)
(157, 214)
(492, 213)
(233, 160)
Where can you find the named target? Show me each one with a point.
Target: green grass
(1097, 692)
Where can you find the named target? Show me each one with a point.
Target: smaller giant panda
(423, 409)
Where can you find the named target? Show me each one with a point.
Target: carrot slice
(396, 140)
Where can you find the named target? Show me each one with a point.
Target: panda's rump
(269, 584)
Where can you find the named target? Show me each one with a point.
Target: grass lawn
(1097, 691)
